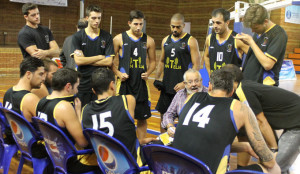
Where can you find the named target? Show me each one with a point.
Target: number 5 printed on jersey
(103, 124)
(202, 116)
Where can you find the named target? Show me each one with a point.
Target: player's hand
(245, 38)
(251, 151)
(179, 86)
(144, 76)
(40, 54)
(78, 53)
(77, 105)
(146, 140)
(171, 131)
(123, 76)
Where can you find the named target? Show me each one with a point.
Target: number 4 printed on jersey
(202, 116)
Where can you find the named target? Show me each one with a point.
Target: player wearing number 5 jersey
(210, 121)
(111, 114)
(179, 52)
(132, 47)
(60, 109)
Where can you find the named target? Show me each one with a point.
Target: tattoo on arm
(255, 137)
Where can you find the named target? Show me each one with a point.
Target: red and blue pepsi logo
(17, 130)
(107, 157)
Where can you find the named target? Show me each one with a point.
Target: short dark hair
(82, 24)
(222, 80)
(255, 14)
(235, 70)
(223, 12)
(136, 14)
(101, 79)
(63, 76)
(30, 64)
(28, 6)
(92, 8)
(47, 63)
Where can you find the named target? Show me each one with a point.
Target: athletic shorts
(164, 102)
(253, 167)
(75, 166)
(142, 111)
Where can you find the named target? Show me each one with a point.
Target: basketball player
(111, 114)
(50, 68)
(220, 46)
(209, 122)
(19, 98)
(179, 52)
(62, 110)
(275, 108)
(132, 47)
(267, 47)
(93, 48)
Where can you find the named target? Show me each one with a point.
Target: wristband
(274, 150)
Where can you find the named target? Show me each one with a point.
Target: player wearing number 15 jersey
(111, 114)
(210, 121)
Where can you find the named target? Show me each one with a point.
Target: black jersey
(224, 53)
(177, 61)
(46, 108)
(280, 107)
(206, 128)
(13, 99)
(133, 62)
(273, 44)
(41, 37)
(111, 116)
(101, 45)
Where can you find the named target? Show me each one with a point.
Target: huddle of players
(93, 47)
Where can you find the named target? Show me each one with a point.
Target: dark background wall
(158, 14)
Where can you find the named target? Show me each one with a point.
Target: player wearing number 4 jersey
(132, 48)
(210, 121)
(53, 109)
(111, 114)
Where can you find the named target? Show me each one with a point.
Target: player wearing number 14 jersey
(209, 122)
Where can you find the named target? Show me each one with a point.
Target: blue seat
(25, 136)
(59, 147)
(164, 159)
(7, 151)
(112, 155)
(244, 172)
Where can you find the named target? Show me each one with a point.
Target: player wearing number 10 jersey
(209, 122)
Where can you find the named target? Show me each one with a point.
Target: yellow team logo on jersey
(218, 66)
(172, 64)
(136, 63)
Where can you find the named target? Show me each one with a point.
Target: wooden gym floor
(9, 62)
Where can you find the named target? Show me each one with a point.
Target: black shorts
(164, 102)
(86, 97)
(75, 166)
(142, 111)
(253, 167)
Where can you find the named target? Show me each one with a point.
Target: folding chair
(7, 151)
(112, 155)
(59, 147)
(244, 172)
(25, 136)
(164, 159)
